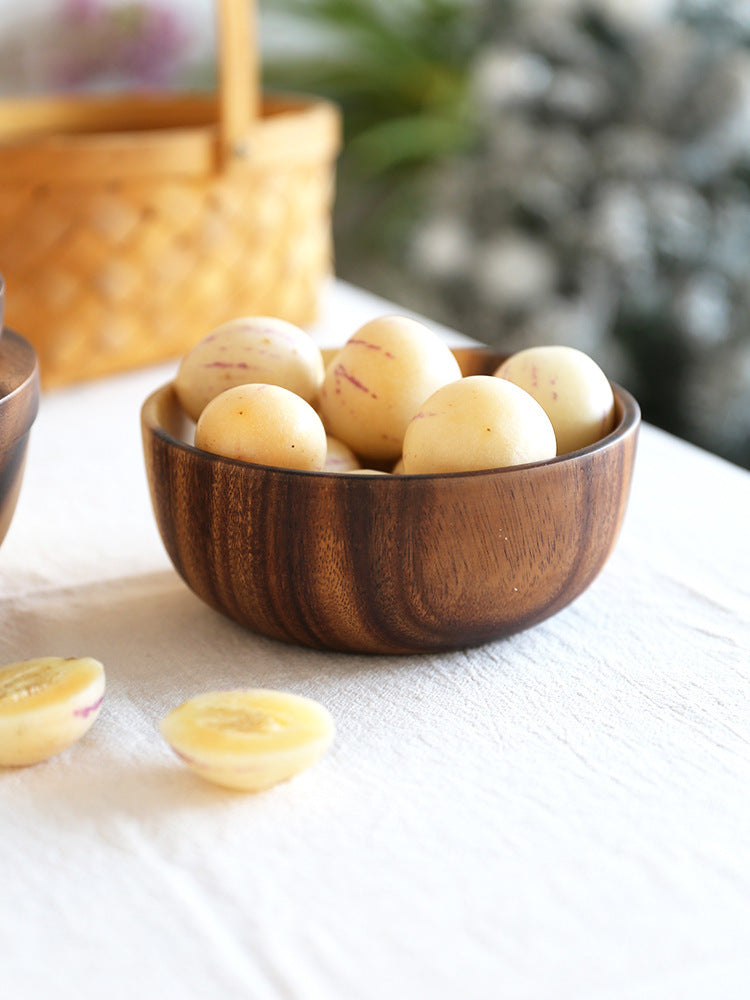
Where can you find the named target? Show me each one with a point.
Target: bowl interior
(19, 403)
(164, 413)
(19, 386)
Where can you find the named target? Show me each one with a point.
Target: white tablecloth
(563, 814)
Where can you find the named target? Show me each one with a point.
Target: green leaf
(410, 139)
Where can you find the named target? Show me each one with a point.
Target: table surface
(563, 814)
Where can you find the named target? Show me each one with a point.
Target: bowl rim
(628, 420)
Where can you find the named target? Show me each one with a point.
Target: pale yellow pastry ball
(248, 739)
(379, 379)
(340, 457)
(266, 424)
(46, 705)
(478, 422)
(572, 389)
(249, 349)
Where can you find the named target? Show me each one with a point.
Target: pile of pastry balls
(393, 399)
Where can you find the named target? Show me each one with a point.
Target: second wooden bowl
(19, 402)
(387, 564)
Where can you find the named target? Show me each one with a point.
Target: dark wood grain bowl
(19, 403)
(387, 564)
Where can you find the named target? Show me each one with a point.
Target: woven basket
(130, 226)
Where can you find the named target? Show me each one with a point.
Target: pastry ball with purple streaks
(379, 379)
(247, 350)
(340, 457)
(572, 389)
(478, 422)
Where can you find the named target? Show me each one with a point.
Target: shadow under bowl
(387, 564)
(19, 404)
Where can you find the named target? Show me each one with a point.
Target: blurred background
(525, 171)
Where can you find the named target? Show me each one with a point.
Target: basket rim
(105, 137)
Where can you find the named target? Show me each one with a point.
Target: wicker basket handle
(239, 76)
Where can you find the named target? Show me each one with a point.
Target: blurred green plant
(400, 71)
(532, 172)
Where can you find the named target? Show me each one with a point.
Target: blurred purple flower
(150, 51)
(79, 11)
(134, 42)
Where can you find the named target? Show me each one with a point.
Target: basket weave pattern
(128, 266)
(117, 275)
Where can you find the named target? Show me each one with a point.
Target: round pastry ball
(250, 349)
(378, 381)
(340, 457)
(265, 424)
(478, 422)
(572, 389)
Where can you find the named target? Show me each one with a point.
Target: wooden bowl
(387, 564)
(19, 402)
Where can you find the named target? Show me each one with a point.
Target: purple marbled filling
(341, 372)
(200, 765)
(186, 758)
(370, 346)
(83, 713)
(228, 364)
